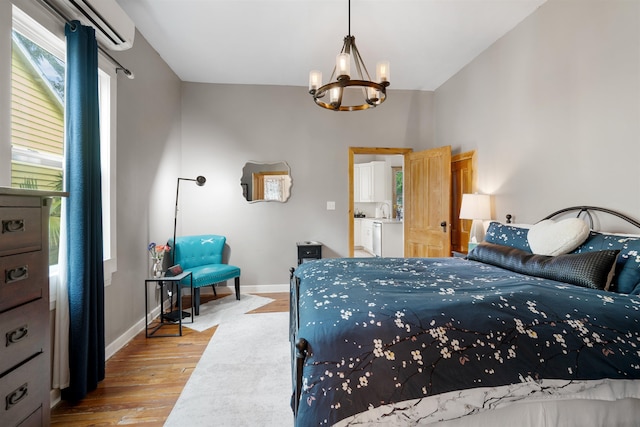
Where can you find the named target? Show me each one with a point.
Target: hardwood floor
(145, 378)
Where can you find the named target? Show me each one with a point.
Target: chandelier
(373, 93)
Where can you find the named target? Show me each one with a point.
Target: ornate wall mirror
(266, 182)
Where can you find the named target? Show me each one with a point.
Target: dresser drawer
(309, 250)
(20, 230)
(22, 391)
(35, 419)
(22, 279)
(22, 333)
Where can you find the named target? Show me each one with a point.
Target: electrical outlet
(331, 206)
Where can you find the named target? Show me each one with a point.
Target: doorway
(371, 151)
(463, 181)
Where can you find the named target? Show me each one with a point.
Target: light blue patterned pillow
(508, 235)
(627, 277)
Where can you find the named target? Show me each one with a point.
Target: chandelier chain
(349, 20)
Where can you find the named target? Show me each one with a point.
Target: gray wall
(553, 109)
(148, 156)
(224, 126)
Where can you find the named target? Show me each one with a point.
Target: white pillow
(549, 237)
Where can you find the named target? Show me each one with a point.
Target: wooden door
(462, 181)
(427, 231)
(259, 180)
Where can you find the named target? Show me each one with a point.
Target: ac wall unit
(114, 29)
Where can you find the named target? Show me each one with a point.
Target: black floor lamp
(199, 182)
(175, 315)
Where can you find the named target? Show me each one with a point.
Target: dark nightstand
(309, 250)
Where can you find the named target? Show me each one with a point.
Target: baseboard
(123, 339)
(139, 326)
(260, 289)
(55, 397)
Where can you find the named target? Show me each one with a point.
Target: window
(37, 126)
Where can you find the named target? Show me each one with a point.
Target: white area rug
(213, 312)
(243, 377)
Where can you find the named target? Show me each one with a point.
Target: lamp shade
(475, 206)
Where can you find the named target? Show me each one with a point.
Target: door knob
(443, 224)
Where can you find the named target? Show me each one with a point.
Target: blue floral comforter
(383, 331)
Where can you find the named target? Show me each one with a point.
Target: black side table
(168, 318)
(309, 250)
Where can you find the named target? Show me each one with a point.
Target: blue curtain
(83, 214)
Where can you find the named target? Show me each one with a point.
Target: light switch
(331, 206)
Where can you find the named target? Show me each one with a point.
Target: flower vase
(156, 268)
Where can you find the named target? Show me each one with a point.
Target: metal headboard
(587, 210)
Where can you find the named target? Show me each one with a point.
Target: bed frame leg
(301, 355)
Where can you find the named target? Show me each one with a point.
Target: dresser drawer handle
(12, 225)
(17, 335)
(16, 274)
(16, 396)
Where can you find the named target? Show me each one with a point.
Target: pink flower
(157, 251)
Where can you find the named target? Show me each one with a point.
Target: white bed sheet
(546, 403)
(558, 413)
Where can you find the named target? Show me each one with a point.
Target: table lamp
(476, 207)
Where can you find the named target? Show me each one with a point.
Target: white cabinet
(392, 241)
(366, 182)
(357, 233)
(367, 235)
(371, 182)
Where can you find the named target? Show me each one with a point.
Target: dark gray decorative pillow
(627, 277)
(508, 235)
(591, 270)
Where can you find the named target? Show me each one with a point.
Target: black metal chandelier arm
(359, 62)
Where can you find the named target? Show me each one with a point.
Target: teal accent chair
(202, 255)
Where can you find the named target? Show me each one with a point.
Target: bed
(502, 337)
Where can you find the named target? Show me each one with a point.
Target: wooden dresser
(25, 343)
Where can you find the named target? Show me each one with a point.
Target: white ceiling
(277, 42)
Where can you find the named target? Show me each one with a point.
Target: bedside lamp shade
(476, 207)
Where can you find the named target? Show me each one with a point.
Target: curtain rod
(61, 15)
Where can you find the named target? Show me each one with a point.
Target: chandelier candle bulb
(343, 65)
(382, 71)
(373, 94)
(334, 95)
(315, 80)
